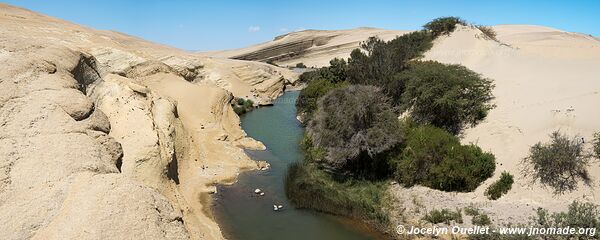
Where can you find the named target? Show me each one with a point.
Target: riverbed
(244, 215)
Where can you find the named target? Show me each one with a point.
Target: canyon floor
(108, 136)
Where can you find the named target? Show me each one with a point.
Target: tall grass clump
(308, 186)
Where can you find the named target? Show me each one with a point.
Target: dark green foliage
(596, 144)
(559, 164)
(306, 104)
(354, 124)
(443, 216)
(447, 96)
(579, 215)
(307, 186)
(481, 220)
(381, 61)
(435, 158)
(335, 73)
(502, 186)
(241, 106)
(300, 65)
(488, 32)
(443, 25)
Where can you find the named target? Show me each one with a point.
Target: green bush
(435, 158)
(502, 186)
(559, 164)
(300, 65)
(579, 215)
(308, 186)
(596, 143)
(241, 106)
(354, 124)
(443, 25)
(481, 220)
(443, 216)
(447, 96)
(306, 104)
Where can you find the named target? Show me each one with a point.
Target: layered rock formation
(106, 136)
(314, 48)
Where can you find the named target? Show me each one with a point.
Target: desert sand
(546, 80)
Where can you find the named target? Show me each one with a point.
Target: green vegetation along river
(244, 215)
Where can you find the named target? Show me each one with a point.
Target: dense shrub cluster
(306, 104)
(354, 124)
(379, 61)
(432, 157)
(354, 140)
(443, 25)
(559, 164)
(443, 216)
(241, 106)
(447, 96)
(500, 187)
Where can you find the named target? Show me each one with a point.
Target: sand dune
(314, 48)
(546, 80)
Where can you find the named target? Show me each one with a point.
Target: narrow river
(244, 215)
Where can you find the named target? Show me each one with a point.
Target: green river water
(244, 215)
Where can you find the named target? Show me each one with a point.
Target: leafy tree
(354, 124)
(443, 25)
(300, 65)
(447, 96)
(502, 186)
(559, 164)
(435, 158)
(380, 61)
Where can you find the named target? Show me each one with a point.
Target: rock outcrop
(96, 141)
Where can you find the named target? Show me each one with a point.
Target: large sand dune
(314, 48)
(546, 80)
